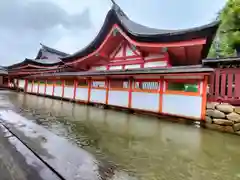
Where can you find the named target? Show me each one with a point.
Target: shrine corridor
(132, 146)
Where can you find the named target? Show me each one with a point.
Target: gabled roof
(142, 33)
(50, 50)
(36, 62)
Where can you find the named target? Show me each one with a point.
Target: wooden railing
(224, 86)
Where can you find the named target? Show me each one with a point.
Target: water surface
(143, 147)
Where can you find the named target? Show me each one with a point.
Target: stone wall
(223, 117)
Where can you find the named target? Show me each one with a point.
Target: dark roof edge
(217, 60)
(172, 70)
(32, 62)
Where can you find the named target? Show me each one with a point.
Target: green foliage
(229, 30)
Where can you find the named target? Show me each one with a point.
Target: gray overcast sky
(69, 25)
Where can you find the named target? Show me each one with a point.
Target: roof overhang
(183, 70)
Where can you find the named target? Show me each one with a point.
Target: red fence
(224, 86)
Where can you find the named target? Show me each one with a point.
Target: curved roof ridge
(142, 33)
(136, 28)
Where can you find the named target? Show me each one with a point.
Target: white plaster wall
(58, 91)
(98, 95)
(35, 88)
(100, 68)
(182, 105)
(41, 88)
(118, 98)
(68, 92)
(21, 83)
(132, 66)
(145, 101)
(29, 88)
(81, 94)
(155, 64)
(115, 67)
(49, 90)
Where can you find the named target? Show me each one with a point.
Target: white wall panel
(49, 90)
(68, 92)
(145, 101)
(100, 68)
(132, 66)
(189, 106)
(41, 88)
(58, 91)
(35, 88)
(81, 94)
(118, 98)
(155, 64)
(98, 95)
(29, 88)
(21, 83)
(115, 67)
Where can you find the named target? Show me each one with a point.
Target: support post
(107, 90)
(204, 97)
(63, 85)
(32, 86)
(89, 90)
(38, 87)
(75, 84)
(54, 83)
(45, 88)
(130, 93)
(26, 85)
(161, 84)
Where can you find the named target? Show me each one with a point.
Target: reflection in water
(142, 146)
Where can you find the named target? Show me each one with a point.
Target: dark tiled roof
(142, 33)
(171, 70)
(221, 60)
(51, 50)
(38, 62)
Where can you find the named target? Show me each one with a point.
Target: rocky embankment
(223, 117)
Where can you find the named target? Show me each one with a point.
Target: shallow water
(143, 147)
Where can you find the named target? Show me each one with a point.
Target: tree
(228, 35)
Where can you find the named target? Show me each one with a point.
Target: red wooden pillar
(223, 84)
(75, 84)
(63, 85)
(204, 97)
(217, 81)
(107, 90)
(32, 86)
(161, 84)
(38, 87)
(45, 87)
(26, 85)
(54, 83)
(89, 90)
(237, 86)
(230, 83)
(8, 82)
(211, 86)
(17, 83)
(131, 83)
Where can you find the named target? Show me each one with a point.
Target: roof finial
(113, 2)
